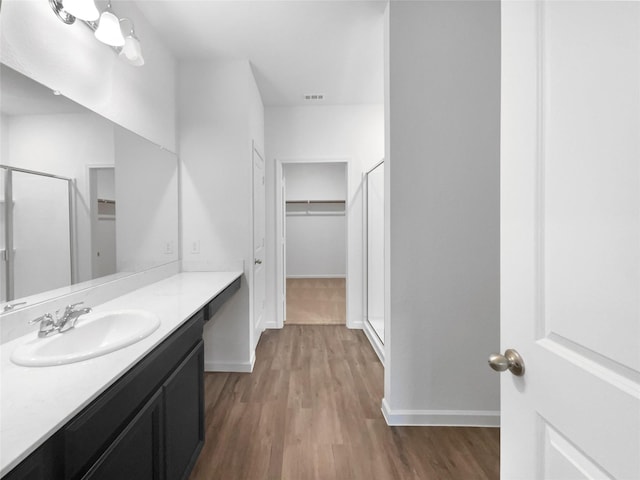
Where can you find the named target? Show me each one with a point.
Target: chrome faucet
(10, 306)
(70, 317)
(47, 325)
(50, 324)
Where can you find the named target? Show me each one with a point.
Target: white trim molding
(441, 418)
(280, 241)
(235, 367)
(337, 275)
(270, 325)
(374, 340)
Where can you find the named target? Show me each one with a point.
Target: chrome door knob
(511, 360)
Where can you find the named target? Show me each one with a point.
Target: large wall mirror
(82, 200)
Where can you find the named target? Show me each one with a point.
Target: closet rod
(315, 201)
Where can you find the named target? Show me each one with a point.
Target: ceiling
(296, 47)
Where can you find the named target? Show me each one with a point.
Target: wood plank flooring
(316, 301)
(311, 410)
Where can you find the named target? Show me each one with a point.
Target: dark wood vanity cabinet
(183, 396)
(165, 437)
(149, 425)
(136, 451)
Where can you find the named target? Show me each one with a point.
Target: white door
(259, 224)
(570, 239)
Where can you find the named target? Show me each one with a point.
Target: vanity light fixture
(61, 13)
(108, 30)
(105, 26)
(131, 51)
(83, 9)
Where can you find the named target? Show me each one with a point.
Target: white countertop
(36, 401)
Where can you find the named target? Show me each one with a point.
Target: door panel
(184, 415)
(135, 453)
(570, 238)
(590, 96)
(259, 227)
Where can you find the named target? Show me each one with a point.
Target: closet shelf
(314, 201)
(312, 208)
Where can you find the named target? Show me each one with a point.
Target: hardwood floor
(311, 410)
(316, 301)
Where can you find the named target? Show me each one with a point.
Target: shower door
(375, 250)
(37, 233)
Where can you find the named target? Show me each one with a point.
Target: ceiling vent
(314, 96)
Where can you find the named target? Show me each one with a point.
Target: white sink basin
(95, 334)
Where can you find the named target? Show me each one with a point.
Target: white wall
(354, 133)
(220, 114)
(442, 139)
(146, 187)
(316, 243)
(316, 181)
(68, 58)
(4, 138)
(106, 183)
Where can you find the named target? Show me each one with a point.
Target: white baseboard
(337, 275)
(354, 325)
(442, 418)
(270, 325)
(375, 342)
(240, 367)
(257, 334)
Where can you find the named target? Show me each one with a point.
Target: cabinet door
(135, 454)
(184, 415)
(43, 464)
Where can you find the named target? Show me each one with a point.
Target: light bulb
(82, 9)
(131, 51)
(108, 30)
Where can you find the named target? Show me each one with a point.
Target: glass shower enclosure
(375, 249)
(36, 232)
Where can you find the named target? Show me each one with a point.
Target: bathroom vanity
(134, 413)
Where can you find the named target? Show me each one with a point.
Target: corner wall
(220, 115)
(443, 169)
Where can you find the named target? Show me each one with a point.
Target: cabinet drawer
(214, 305)
(87, 436)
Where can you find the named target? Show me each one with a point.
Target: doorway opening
(103, 220)
(314, 243)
